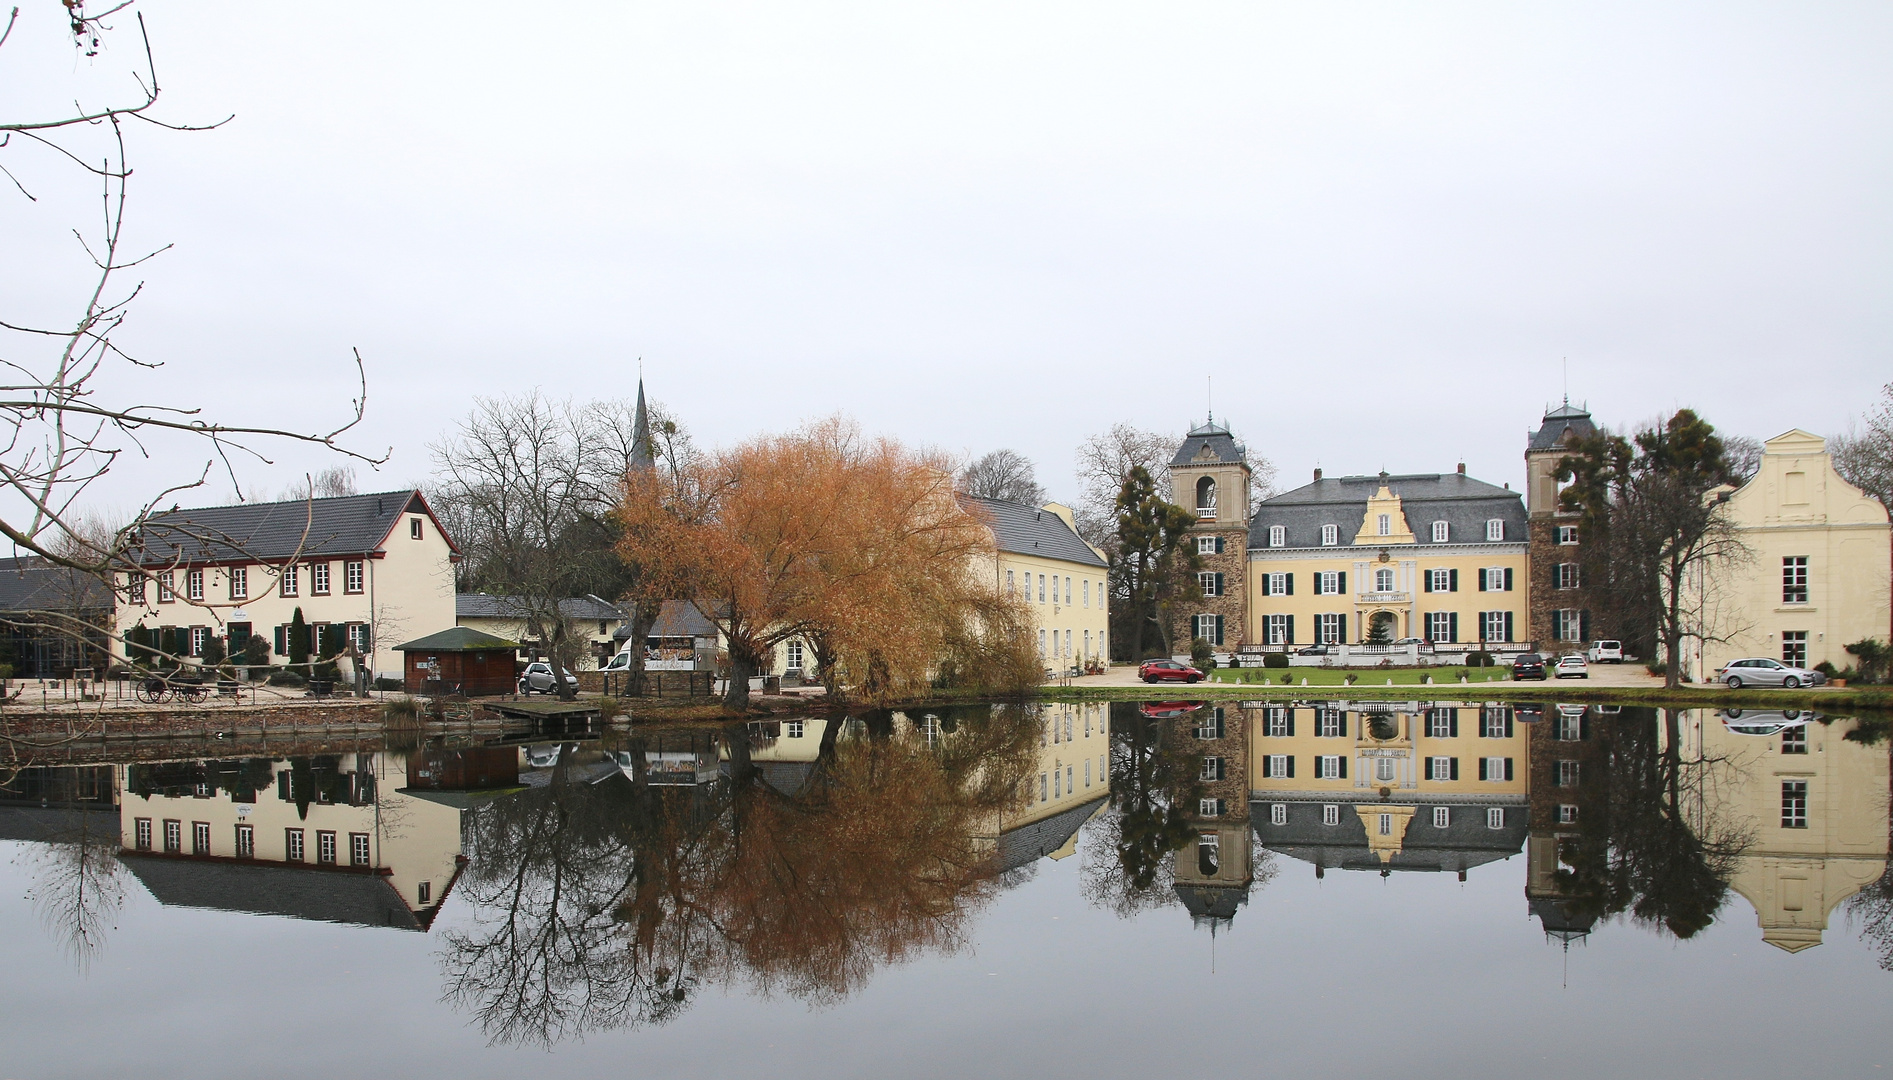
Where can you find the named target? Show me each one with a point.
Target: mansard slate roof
(262, 889)
(344, 525)
(489, 606)
(1565, 418)
(1463, 503)
(1028, 844)
(1028, 530)
(1213, 437)
(1462, 845)
(33, 584)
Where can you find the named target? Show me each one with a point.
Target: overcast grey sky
(1379, 226)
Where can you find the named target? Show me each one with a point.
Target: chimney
(1317, 474)
(1462, 468)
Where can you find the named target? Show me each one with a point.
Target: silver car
(1761, 671)
(537, 679)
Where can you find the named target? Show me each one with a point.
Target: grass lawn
(1441, 676)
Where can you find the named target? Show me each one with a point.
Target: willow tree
(858, 546)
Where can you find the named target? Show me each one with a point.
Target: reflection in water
(809, 859)
(604, 885)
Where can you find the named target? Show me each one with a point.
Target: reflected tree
(78, 885)
(1128, 868)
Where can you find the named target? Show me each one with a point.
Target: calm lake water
(1329, 889)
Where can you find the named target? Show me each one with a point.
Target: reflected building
(1390, 786)
(1068, 785)
(337, 838)
(1817, 807)
(1564, 749)
(1215, 871)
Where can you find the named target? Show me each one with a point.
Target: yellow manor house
(1043, 560)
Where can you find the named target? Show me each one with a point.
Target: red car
(1167, 671)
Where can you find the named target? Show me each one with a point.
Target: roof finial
(1209, 398)
(1567, 382)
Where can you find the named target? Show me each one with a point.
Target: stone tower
(1210, 476)
(1560, 615)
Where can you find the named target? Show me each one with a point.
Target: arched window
(1205, 494)
(1383, 580)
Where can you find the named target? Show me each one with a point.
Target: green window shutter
(1508, 768)
(1219, 585)
(1482, 769)
(1508, 579)
(1288, 584)
(1289, 634)
(1341, 583)
(1452, 580)
(1291, 767)
(1452, 732)
(1266, 765)
(282, 641)
(1344, 766)
(1219, 618)
(1452, 628)
(1265, 585)
(1289, 716)
(1482, 579)
(1584, 625)
(1508, 726)
(1343, 634)
(1426, 581)
(1508, 626)
(1453, 769)
(1219, 545)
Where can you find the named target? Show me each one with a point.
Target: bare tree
(77, 400)
(1864, 455)
(1002, 474)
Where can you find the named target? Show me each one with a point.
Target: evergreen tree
(1154, 567)
(298, 639)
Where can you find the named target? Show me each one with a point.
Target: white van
(1606, 652)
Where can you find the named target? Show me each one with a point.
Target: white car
(1571, 666)
(1761, 671)
(537, 679)
(1607, 652)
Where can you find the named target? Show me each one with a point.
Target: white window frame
(1565, 575)
(1440, 580)
(1567, 534)
(1442, 817)
(239, 583)
(1439, 625)
(1275, 723)
(1383, 525)
(194, 584)
(1383, 579)
(1209, 807)
(1441, 530)
(319, 579)
(1794, 579)
(1328, 583)
(1327, 629)
(1330, 814)
(1494, 765)
(1206, 581)
(1206, 545)
(1495, 817)
(1278, 536)
(1330, 535)
(1567, 814)
(1278, 814)
(1495, 530)
(1492, 626)
(1328, 767)
(1794, 648)
(1439, 768)
(354, 577)
(1275, 629)
(290, 584)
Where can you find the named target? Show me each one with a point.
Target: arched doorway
(1382, 627)
(1206, 497)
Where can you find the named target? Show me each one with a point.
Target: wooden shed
(463, 660)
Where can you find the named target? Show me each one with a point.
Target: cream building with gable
(1042, 560)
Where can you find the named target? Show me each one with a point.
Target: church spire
(641, 455)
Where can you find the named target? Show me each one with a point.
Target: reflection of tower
(1214, 871)
(1560, 747)
(1558, 608)
(1210, 476)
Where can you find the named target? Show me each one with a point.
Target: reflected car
(543, 757)
(1167, 710)
(1152, 671)
(1572, 667)
(1528, 666)
(1761, 671)
(1752, 722)
(537, 679)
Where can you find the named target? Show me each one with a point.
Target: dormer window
(1495, 529)
(1385, 525)
(1278, 536)
(1330, 535)
(1440, 531)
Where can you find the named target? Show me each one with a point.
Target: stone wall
(1232, 605)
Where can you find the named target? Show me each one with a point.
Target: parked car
(1761, 671)
(1606, 652)
(1152, 671)
(1406, 641)
(537, 679)
(1315, 650)
(1750, 722)
(1528, 666)
(1572, 666)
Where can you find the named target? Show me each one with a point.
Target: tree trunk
(643, 617)
(742, 666)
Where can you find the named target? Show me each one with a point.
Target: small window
(1278, 536)
(1278, 814)
(239, 583)
(414, 529)
(1206, 545)
(1383, 580)
(1566, 774)
(200, 636)
(352, 573)
(1794, 804)
(1439, 768)
(1442, 817)
(1209, 808)
(1495, 529)
(141, 831)
(1794, 740)
(1794, 579)
(173, 836)
(1328, 724)
(1331, 815)
(1386, 824)
(290, 584)
(1441, 723)
(1041, 588)
(1440, 580)
(1495, 818)
(1567, 534)
(792, 729)
(358, 849)
(166, 592)
(200, 837)
(1276, 724)
(1794, 648)
(1011, 583)
(292, 845)
(246, 842)
(1384, 525)
(194, 584)
(424, 893)
(1566, 575)
(1567, 814)
(1440, 532)
(319, 578)
(1211, 583)
(1383, 770)
(325, 847)
(1330, 535)
(1212, 769)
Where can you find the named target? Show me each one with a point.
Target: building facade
(1209, 474)
(1816, 574)
(1042, 560)
(1560, 612)
(365, 571)
(1442, 558)
(591, 618)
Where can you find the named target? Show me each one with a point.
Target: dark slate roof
(1462, 845)
(1463, 503)
(268, 889)
(1211, 904)
(1210, 436)
(477, 605)
(457, 639)
(345, 525)
(1566, 920)
(677, 618)
(54, 825)
(33, 584)
(1028, 844)
(1566, 418)
(1029, 530)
